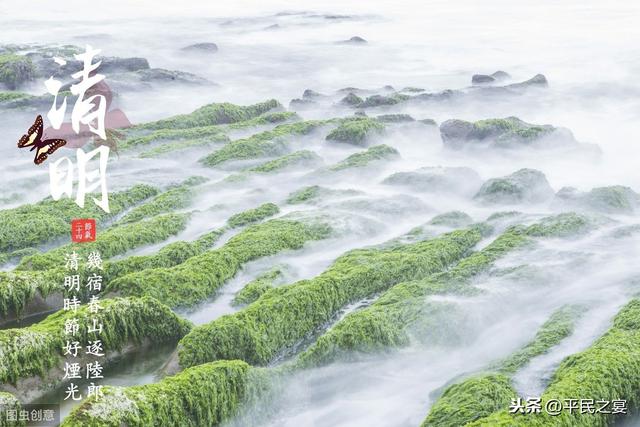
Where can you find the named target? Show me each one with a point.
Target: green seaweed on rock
(253, 215)
(178, 197)
(255, 288)
(286, 314)
(213, 114)
(483, 394)
(34, 350)
(9, 402)
(608, 370)
(263, 144)
(203, 395)
(15, 70)
(200, 276)
(356, 131)
(366, 157)
(31, 225)
(114, 241)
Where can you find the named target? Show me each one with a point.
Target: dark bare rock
(539, 80)
(201, 47)
(311, 94)
(479, 79)
(355, 40)
(395, 118)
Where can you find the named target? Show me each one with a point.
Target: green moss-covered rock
(453, 219)
(18, 288)
(200, 276)
(458, 180)
(12, 96)
(560, 325)
(254, 289)
(563, 225)
(474, 398)
(213, 114)
(296, 159)
(366, 157)
(204, 395)
(33, 350)
(31, 225)
(351, 100)
(253, 215)
(286, 314)
(178, 197)
(15, 70)
(395, 118)
(263, 144)
(356, 131)
(608, 370)
(114, 241)
(315, 193)
(388, 322)
(614, 199)
(510, 131)
(168, 256)
(9, 402)
(483, 394)
(383, 100)
(204, 134)
(523, 186)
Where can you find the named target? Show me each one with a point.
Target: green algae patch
(366, 157)
(470, 400)
(213, 114)
(200, 276)
(295, 159)
(263, 144)
(315, 192)
(560, 325)
(484, 394)
(13, 96)
(168, 256)
(401, 312)
(33, 350)
(264, 119)
(204, 395)
(114, 241)
(453, 219)
(31, 225)
(208, 134)
(15, 70)
(388, 321)
(255, 288)
(563, 225)
(170, 147)
(178, 197)
(9, 402)
(356, 131)
(505, 132)
(250, 216)
(608, 370)
(284, 315)
(615, 199)
(524, 185)
(18, 288)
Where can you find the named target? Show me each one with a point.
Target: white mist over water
(588, 50)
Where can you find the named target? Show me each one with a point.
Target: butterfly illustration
(33, 139)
